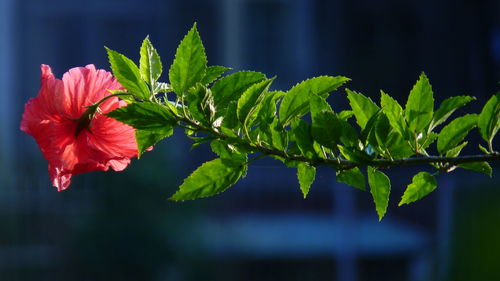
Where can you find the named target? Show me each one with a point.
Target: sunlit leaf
(295, 104)
(420, 105)
(448, 106)
(363, 107)
(211, 178)
(453, 133)
(150, 64)
(128, 74)
(489, 120)
(352, 177)
(380, 188)
(306, 175)
(190, 63)
(481, 167)
(422, 184)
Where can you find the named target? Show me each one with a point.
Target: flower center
(84, 121)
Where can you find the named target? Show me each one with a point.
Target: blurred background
(120, 226)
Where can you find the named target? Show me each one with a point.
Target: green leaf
(230, 88)
(230, 118)
(306, 175)
(346, 114)
(227, 151)
(213, 72)
(147, 138)
(295, 104)
(481, 167)
(150, 64)
(363, 107)
(251, 98)
(190, 63)
(144, 116)
(448, 106)
(489, 119)
(326, 127)
(201, 104)
(379, 135)
(128, 74)
(394, 113)
(355, 155)
(422, 184)
(352, 177)
(454, 152)
(211, 178)
(420, 105)
(265, 113)
(303, 137)
(380, 188)
(397, 146)
(455, 132)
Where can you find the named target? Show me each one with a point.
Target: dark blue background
(119, 226)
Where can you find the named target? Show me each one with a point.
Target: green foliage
(420, 105)
(210, 178)
(422, 184)
(352, 177)
(306, 175)
(190, 63)
(296, 101)
(230, 88)
(239, 116)
(127, 73)
(455, 132)
(489, 119)
(150, 63)
(380, 188)
(481, 167)
(362, 107)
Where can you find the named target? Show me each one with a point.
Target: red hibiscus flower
(71, 130)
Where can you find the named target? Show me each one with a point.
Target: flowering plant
(90, 121)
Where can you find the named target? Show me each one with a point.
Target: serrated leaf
(230, 88)
(295, 104)
(303, 137)
(489, 119)
(422, 184)
(428, 140)
(230, 120)
(363, 107)
(210, 178)
(161, 87)
(251, 98)
(326, 127)
(227, 151)
(447, 107)
(345, 114)
(394, 113)
(213, 72)
(355, 155)
(147, 138)
(128, 74)
(397, 146)
(455, 132)
(420, 105)
(380, 133)
(380, 188)
(481, 167)
(265, 112)
(353, 177)
(150, 64)
(306, 175)
(144, 116)
(454, 152)
(190, 63)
